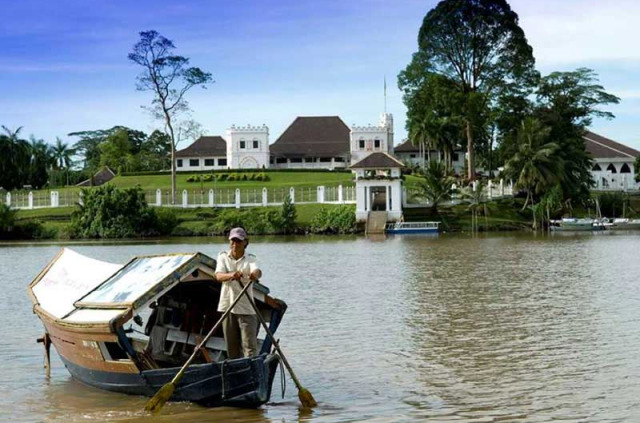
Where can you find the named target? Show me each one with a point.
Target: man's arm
(226, 277)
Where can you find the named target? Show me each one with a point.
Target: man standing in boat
(240, 328)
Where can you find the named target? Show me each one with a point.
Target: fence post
(30, 199)
(54, 199)
(340, 196)
(212, 198)
(8, 199)
(185, 198)
(158, 197)
(320, 194)
(510, 187)
(489, 189)
(237, 198)
(292, 195)
(81, 198)
(265, 197)
(501, 187)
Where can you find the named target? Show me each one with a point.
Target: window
(281, 160)
(309, 160)
(256, 144)
(361, 144)
(296, 160)
(325, 159)
(209, 162)
(596, 168)
(413, 156)
(243, 144)
(179, 162)
(338, 159)
(194, 162)
(611, 168)
(625, 169)
(222, 162)
(456, 157)
(377, 143)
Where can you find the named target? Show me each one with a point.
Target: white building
(248, 147)
(613, 163)
(412, 155)
(365, 140)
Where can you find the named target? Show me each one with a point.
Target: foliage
(24, 162)
(535, 167)
(7, 219)
(567, 103)
(109, 212)
(636, 165)
(338, 220)
(612, 204)
(169, 78)
(479, 46)
(288, 216)
(435, 184)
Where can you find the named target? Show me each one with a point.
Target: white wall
(248, 147)
(186, 164)
(362, 139)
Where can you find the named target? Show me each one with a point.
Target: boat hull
(243, 382)
(413, 231)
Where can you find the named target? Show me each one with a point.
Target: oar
(304, 395)
(156, 403)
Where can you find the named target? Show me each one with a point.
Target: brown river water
(502, 328)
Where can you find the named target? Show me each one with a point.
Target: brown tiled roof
(603, 148)
(313, 136)
(101, 177)
(205, 147)
(378, 160)
(406, 147)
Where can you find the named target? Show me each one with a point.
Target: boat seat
(215, 343)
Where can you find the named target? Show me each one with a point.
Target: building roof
(101, 177)
(378, 160)
(205, 147)
(313, 136)
(406, 147)
(603, 148)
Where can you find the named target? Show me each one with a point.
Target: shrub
(222, 177)
(193, 178)
(109, 212)
(232, 177)
(244, 176)
(338, 220)
(7, 219)
(288, 216)
(207, 178)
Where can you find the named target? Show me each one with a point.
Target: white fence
(195, 198)
(491, 191)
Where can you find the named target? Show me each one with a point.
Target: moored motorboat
(412, 228)
(131, 328)
(625, 224)
(577, 225)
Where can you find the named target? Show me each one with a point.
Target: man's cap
(238, 233)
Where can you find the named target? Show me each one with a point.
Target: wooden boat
(412, 228)
(131, 328)
(577, 225)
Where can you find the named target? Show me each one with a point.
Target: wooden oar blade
(156, 403)
(306, 398)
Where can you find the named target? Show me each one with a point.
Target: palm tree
(535, 167)
(435, 184)
(14, 159)
(476, 197)
(62, 154)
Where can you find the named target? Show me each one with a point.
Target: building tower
(248, 147)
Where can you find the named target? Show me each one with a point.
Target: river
(506, 327)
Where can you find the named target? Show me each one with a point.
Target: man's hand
(255, 275)
(237, 275)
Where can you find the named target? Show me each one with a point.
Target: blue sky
(64, 66)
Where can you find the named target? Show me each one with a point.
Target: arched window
(596, 168)
(625, 169)
(611, 168)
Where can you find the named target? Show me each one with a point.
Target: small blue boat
(412, 228)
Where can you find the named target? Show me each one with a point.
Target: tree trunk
(471, 169)
(167, 118)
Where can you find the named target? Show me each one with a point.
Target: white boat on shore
(577, 225)
(412, 228)
(625, 224)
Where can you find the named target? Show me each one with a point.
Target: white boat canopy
(67, 278)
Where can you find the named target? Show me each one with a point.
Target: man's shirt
(231, 289)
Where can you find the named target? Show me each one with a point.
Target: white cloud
(577, 31)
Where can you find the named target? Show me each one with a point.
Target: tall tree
(479, 45)
(567, 102)
(535, 167)
(435, 184)
(169, 78)
(62, 154)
